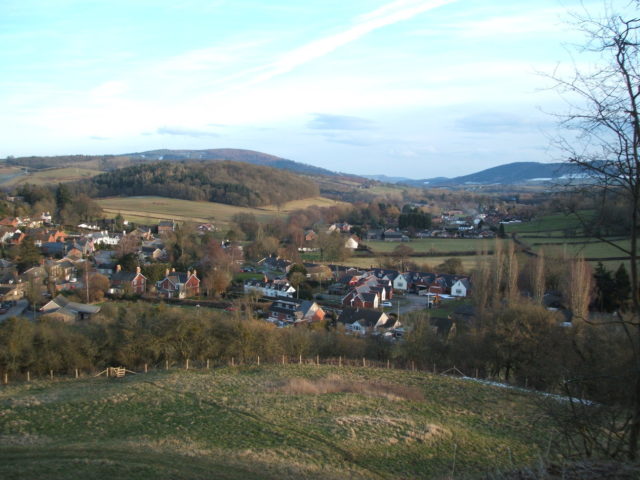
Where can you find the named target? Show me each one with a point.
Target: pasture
(53, 176)
(152, 209)
(267, 422)
(437, 245)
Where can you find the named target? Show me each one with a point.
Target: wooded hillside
(233, 183)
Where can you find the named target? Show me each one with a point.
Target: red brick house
(128, 282)
(179, 285)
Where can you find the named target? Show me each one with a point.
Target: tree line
(231, 183)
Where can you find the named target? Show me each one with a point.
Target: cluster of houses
(361, 293)
(68, 259)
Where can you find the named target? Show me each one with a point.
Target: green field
(146, 209)
(268, 422)
(557, 223)
(469, 262)
(54, 175)
(436, 245)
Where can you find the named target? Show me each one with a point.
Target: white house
(270, 289)
(400, 283)
(460, 288)
(351, 243)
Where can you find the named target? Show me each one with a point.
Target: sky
(411, 88)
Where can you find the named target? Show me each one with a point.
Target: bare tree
(538, 280)
(604, 143)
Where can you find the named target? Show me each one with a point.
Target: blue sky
(415, 88)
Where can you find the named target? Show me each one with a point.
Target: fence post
(5, 379)
(146, 368)
(28, 376)
(364, 362)
(340, 361)
(300, 359)
(207, 364)
(387, 363)
(258, 360)
(166, 364)
(77, 373)
(51, 374)
(233, 362)
(318, 360)
(283, 359)
(187, 364)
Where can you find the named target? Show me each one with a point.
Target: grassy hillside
(152, 208)
(266, 422)
(54, 176)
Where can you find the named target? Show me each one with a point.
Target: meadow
(436, 245)
(152, 209)
(53, 176)
(275, 421)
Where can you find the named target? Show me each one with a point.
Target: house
(290, 311)
(179, 284)
(10, 222)
(61, 269)
(365, 321)
(12, 291)
(128, 282)
(460, 288)
(351, 243)
(54, 249)
(374, 234)
(318, 272)
(16, 238)
(310, 236)
(393, 236)
(277, 288)
(274, 262)
(69, 311)
(361, 299)
(166, 226)
(103, 238)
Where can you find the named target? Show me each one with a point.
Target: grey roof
(363, 316)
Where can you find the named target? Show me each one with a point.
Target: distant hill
(232, 183)
(112, 162)
(235, 155)
(517, 173)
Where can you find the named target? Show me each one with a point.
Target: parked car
(387, 304)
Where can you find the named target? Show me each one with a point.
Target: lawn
(268, 422)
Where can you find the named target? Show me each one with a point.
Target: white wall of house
(458, 289)
(400, 283)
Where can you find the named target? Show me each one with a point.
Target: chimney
(137, 269)
(194, 272)
(118, 268)
(173, 270)
(166, 272)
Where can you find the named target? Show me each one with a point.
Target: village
(68, 276)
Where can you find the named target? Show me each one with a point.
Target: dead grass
(337, 384)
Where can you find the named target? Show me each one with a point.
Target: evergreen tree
(623, 286)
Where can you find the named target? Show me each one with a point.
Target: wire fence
(119, 371)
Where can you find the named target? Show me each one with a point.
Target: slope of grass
(54, 175)
(281, 422)
(150, 208)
